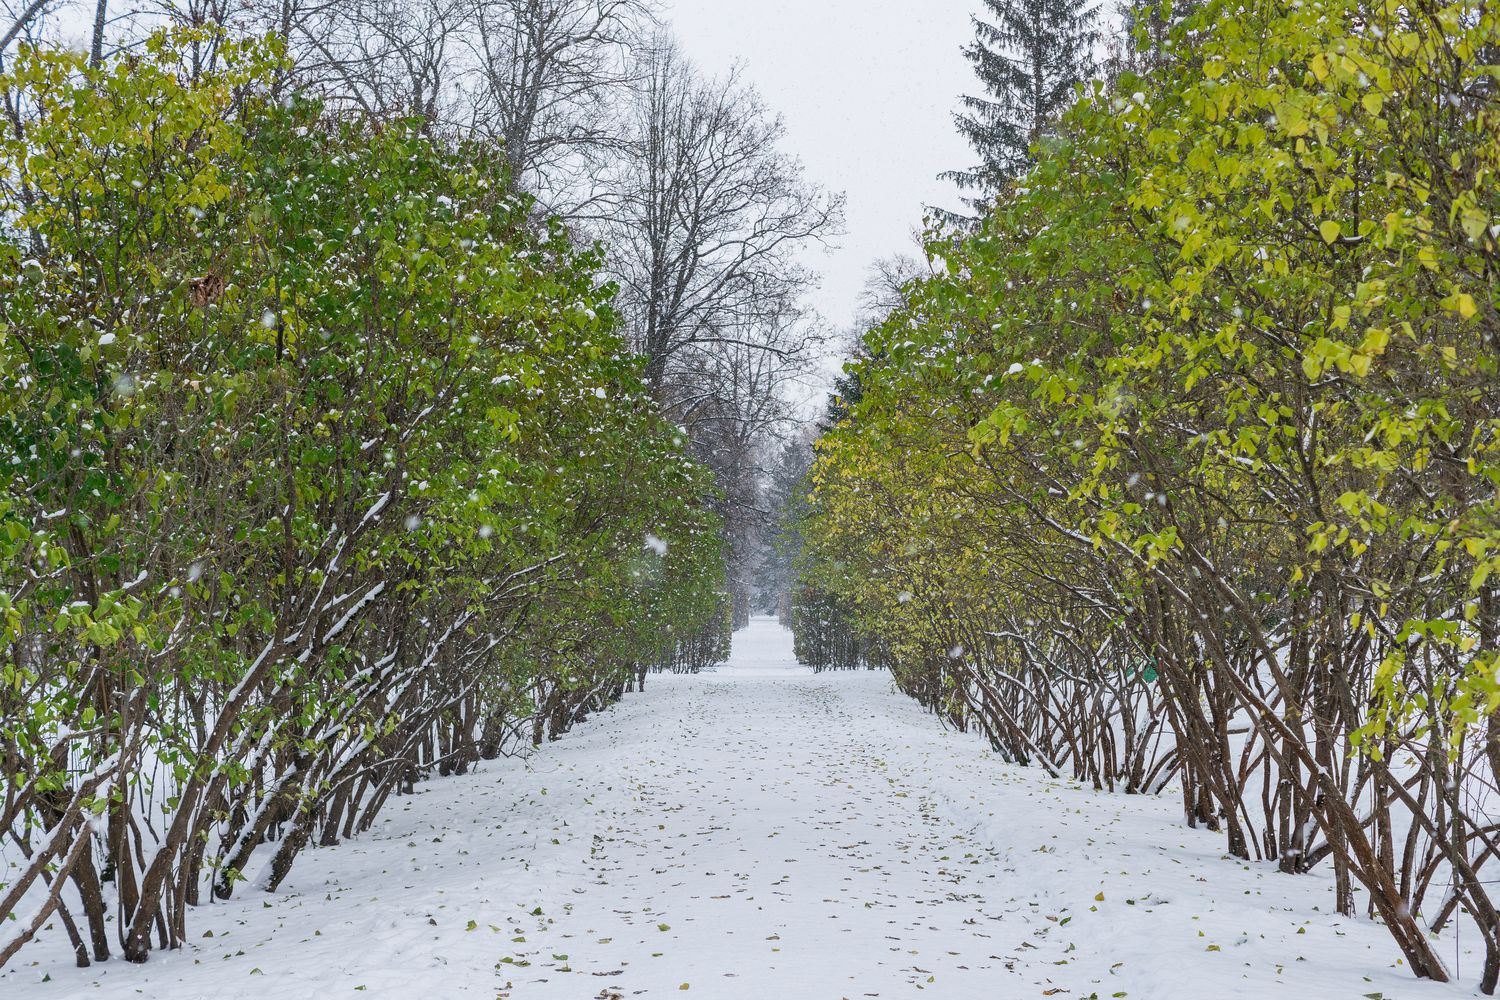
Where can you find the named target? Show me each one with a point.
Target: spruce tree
(1029, 56)
(1145, 41)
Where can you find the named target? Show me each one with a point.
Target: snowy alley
(763, 832)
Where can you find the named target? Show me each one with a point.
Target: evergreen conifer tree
(1028, 55)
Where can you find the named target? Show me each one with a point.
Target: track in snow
(771, 837)
(763, 833)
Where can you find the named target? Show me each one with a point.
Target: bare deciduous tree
(735, 396)
(708, 216)
(392, 57)
(706, 222)
(546, 77)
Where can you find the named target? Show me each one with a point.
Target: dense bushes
(323, 469)
(825, 636)
(1187, 461)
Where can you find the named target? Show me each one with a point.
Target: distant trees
(785, 494)
(707, 217)
(1029, 55)
(706, 220)
(825, 629)
(548, 86)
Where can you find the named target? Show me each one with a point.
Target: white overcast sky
(867, 89)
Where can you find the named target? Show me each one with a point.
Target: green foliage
(314, 445)
(1260, 283)
(1216, 384)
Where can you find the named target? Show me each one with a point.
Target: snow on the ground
(763, 833)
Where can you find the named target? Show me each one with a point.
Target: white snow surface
(764, 833)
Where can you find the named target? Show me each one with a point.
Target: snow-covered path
(773, 850)
(766, 834)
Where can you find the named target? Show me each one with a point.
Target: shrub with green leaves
(323, 468)
(1200, 432)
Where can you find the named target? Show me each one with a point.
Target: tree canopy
(1200, 433)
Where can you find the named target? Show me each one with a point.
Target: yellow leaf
(1329, 230)
(1373, 103)
(1474, 222)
